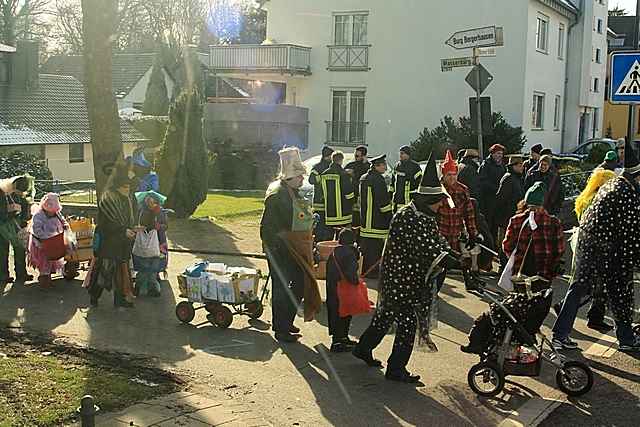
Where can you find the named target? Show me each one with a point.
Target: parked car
(593, 150)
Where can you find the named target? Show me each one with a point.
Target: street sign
(625, 78)
(478, 37)
(479, 78)
(484, 51)
(451, 63)
(485, 103)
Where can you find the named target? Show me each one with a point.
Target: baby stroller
(522, 351)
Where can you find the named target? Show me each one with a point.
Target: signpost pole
(478, 109)
(631, 120)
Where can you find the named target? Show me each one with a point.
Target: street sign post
(477, 37)
(451, 63)
(479, 78)
(625, 78)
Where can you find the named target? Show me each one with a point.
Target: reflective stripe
(386, 209)
(349, 196)
(374, 234)
(314, 172)
(338, 218)
(344, 220)
(407, 191)
(368, 224)
(367, 230)
(418, 174)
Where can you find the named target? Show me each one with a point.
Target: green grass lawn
(229, 205)
(39, 390)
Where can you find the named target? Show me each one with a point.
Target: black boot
(402, 375)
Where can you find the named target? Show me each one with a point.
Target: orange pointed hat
(449, 165)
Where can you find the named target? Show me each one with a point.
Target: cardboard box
(246, 287)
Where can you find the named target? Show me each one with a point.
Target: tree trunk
(98, 27)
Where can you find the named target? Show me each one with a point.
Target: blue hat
(139, 160)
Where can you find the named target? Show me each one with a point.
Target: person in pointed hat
(375, 215)
(459, 220)
(148, 179)
(405, 179)
(412, 256)
(287, 240)
(607, 253)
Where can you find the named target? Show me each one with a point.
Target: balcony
(349, 58)
(347, 134)
(278, 59)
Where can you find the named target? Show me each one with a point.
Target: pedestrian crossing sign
(625, 78)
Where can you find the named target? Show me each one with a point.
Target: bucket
(326, 249)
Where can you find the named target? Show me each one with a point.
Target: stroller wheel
(574, 378)
(486, 379)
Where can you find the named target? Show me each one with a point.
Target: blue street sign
(625, 78)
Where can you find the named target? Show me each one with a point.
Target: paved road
(302, 384)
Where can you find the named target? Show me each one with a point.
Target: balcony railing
(349, 58)
(281, 59)
(347, 133)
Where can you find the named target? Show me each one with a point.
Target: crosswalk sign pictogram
(625, 78)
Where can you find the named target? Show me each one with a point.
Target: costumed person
(413, 253)
(338, 194)
(510, 193)
(286, 233)
(322, 232)
(375, 213)
(47, 223)
(610, 161)
(342, 265)
(490, 173)
(534, 242)
(549, 176)
(151, 217)
(607, 252)
(532, 161)
(356, 169)
(598, 308)
(456, 222)
(113, 239)
(405, 179)
(468, 172)
(148, 179)
(15, 212)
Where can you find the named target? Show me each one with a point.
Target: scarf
(117, 208)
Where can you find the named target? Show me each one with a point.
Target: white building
(369, 70)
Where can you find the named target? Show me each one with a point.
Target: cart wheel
(254, 309)
(185, 312)
(211, 307)
(222, 317)
(70, 271)
(486, 379)
(574, 378)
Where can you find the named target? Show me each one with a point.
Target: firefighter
(375, 213)
(356, 169)
(337, 191)
(405, 180)
(321, 232)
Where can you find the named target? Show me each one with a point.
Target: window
(561, 42)
(595, 122)
(537, 117)
(557, 108)
(76, 153)
(350, 29)
(347, 116)
(598, 55)
(599, 26)
(596, 85)
(542, 33)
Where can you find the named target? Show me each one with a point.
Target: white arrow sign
(478, 37)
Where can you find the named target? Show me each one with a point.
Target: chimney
(26, 64)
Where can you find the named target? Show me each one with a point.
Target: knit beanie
(535, 194)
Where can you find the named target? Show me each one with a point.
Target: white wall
(57, 158)
(544, 73)
(138, 93)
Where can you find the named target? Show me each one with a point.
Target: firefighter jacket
(314, 179)
(406, 178)
(338, 195)
(375, 206)
(359, 168)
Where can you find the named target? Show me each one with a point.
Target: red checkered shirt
(452, 221)
(547, 244)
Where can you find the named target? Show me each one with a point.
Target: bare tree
(21, 19)
(98, 28)
(68, 26)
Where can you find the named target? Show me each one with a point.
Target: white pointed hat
(291, 163)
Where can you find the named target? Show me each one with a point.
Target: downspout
(566, 84)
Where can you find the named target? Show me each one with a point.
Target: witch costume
(608, 250)
(412, 254)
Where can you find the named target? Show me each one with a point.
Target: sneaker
(402, 376)
(631, 347)
(340, 347)
(294, 329)
(564, 344)
(599, 325)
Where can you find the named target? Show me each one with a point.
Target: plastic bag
(147, 244)
(354, 299)
(70, 239)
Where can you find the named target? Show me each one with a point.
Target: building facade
(369, 70)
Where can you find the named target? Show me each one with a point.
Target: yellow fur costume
(596, 180)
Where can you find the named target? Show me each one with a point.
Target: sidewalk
(183, 409)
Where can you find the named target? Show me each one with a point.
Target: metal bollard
(87, 411)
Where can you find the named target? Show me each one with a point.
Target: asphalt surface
(303, 384)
